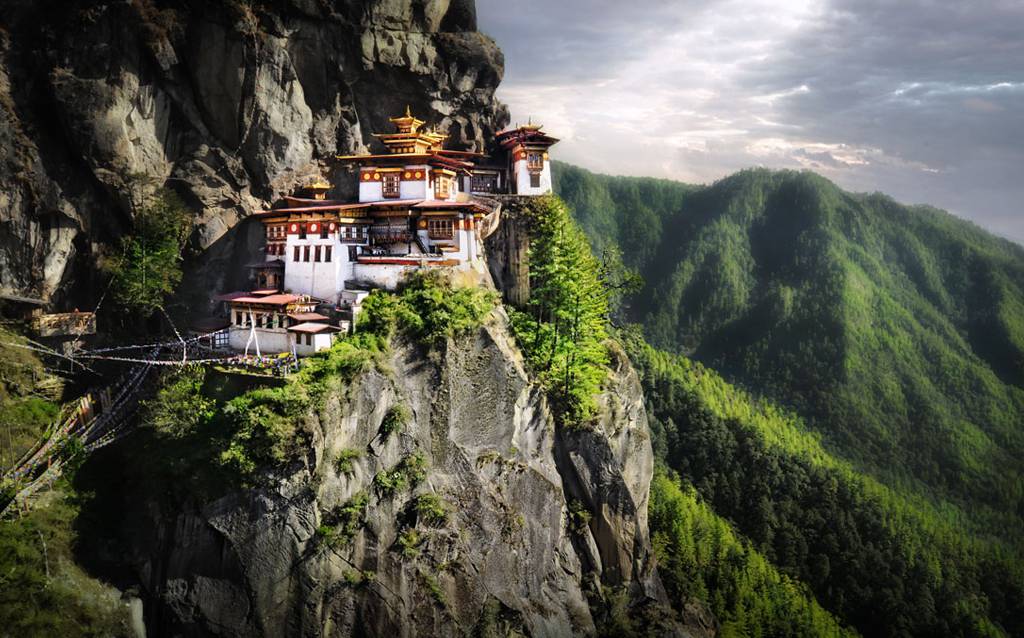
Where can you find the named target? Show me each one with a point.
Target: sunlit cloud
(923, 101)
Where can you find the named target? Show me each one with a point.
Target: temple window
(534, 180)
(295, 254)
(442, 187)
(305, 253)
(440, 229)
(323, 231)
(392, 185)
(316, 254)
(535, 160)
(484, 183)
(302, 231)
(327, 253)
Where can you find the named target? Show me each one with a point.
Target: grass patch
(394, 421)
(345, 463)
(431, 509)
(409, 472)
(341, 524)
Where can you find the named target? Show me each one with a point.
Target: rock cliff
(510, 556)
(229, 103)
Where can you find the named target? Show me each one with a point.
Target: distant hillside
(897, 331)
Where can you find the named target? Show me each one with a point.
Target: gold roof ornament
(317, 182)
(407, 123)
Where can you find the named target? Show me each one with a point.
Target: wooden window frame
(441, 228)
(391, 185)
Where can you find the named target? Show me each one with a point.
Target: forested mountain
(891, 337)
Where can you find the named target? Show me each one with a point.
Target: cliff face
(509, 558)
(228, 103)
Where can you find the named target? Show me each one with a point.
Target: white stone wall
(416, 188)
(321, 341)
(320, 279)
(382, 275)
(370, 191)
(270, 341)
(522, 176)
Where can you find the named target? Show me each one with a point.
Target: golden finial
(408, 111)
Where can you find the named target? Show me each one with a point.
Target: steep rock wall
(507, 560)
(228, 104)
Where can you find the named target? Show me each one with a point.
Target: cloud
(920, 99)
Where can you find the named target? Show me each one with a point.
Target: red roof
(525, 135)
(269, 300)
(313, 328)
(308, 316)
(265, 292)
(230, 296)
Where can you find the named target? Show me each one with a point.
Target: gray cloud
(920, 99)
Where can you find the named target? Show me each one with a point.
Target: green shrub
(43, 592)
(394, 420)
(409, 472)
(434, 588)
(342, 523)
(431, 509)
(358, 579)
(344, 464)
(564, 327)
(426, 307)
(408, 543)
(579, 517)
(148, 268)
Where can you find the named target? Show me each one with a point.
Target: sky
(918, 99)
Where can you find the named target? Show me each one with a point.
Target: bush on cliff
(148, 268)
(564, 327)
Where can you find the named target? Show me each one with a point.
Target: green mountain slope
(897, 331)
(888, 562)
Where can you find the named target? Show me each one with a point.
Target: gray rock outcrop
(506, 561)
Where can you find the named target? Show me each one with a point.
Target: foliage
(179, 407)
(149, 265)
(898, 332)
(427, 307)
(563, 328)
(357, 579)
(579, 516)
(394, 420)
(408, 542)
(434, 588)
(887, 562)
(894, 332)
(25, 414)
(700, 556)
(341, 524)
(42, 591)
(409, 472)
(257, 430)
(431, 509)
(345, 463)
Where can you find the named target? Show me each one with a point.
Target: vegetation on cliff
(217, 430)
(564, 326)
(147, 268)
